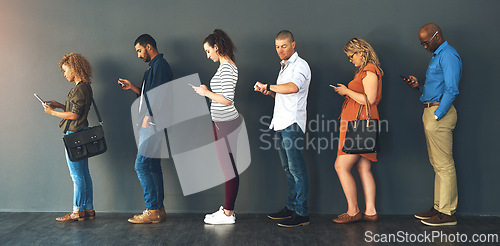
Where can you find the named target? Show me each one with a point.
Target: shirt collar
(157, 57)
(440, 48)
(292, 59)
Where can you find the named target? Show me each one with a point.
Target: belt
(428, 105)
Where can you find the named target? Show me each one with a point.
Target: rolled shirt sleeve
(78, 105)
(300, 74)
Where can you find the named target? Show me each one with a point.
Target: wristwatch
(268, 87)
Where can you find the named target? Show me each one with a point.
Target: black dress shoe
(295, 221)
(285, 213)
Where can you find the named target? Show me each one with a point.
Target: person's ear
(293, 44)
(438, 37)
(216, 48)
(148, 47)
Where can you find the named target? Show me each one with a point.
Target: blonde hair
(367, 53)
(79, 64)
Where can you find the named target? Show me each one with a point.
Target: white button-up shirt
(291, 108)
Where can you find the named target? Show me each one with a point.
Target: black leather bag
(86, 143)
(362, 135)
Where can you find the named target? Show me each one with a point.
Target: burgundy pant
(221, 131)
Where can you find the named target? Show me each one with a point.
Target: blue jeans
(290, 145)
(83, 195)
(149, 170)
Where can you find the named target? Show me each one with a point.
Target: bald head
(431, 28)
(431, 35)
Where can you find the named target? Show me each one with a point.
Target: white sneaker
(221, 210)
(220, 218)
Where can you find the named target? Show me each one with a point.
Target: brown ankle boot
(148, 216)
(163, 215)
(73, 216)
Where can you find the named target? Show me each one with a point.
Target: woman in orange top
(368, 80)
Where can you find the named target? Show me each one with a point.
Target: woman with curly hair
(76, 69)
(367, 81)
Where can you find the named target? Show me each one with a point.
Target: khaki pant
(439, 136)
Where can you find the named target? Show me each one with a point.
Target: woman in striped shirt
(220, 48)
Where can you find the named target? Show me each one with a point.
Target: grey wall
(36, 34)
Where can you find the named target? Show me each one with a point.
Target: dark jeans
(291, 143)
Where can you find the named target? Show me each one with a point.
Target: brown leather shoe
(345, 218)
(371, 218)
(427, 214)
(148, 216)
(90, 214)
(73, 216)
(163, 215)
(440, 219)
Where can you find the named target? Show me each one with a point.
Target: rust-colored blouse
(350, 107)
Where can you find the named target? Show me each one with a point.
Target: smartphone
(39, 99)
(122, 84)
(405, 78)
(334, 86)
(191, 85)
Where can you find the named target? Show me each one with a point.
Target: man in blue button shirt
(149, 169)
(440, 117)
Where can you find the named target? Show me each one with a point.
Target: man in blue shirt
(439, 118)
(149, 169)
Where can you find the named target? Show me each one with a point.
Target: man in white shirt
(289, 122)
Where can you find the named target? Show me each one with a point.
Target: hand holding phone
(334, 86)
(411, 81)
(39, 99)
(123, 83)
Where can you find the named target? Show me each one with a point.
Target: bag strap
(96, 111)
(367, 105)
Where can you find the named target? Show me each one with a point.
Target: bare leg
(369, 188)
(343, 166)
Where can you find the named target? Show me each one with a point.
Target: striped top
(224, 83)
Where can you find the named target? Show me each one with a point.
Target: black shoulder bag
(85, 143)
(361, 136)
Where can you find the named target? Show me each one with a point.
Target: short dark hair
(285, 34)
(223, 42)
(144, 40)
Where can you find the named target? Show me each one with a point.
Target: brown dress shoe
(90, 214)
(440, 219)
(427, 214)
(345, 218)
(73, 216)
(371, 218)
(148, 216)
